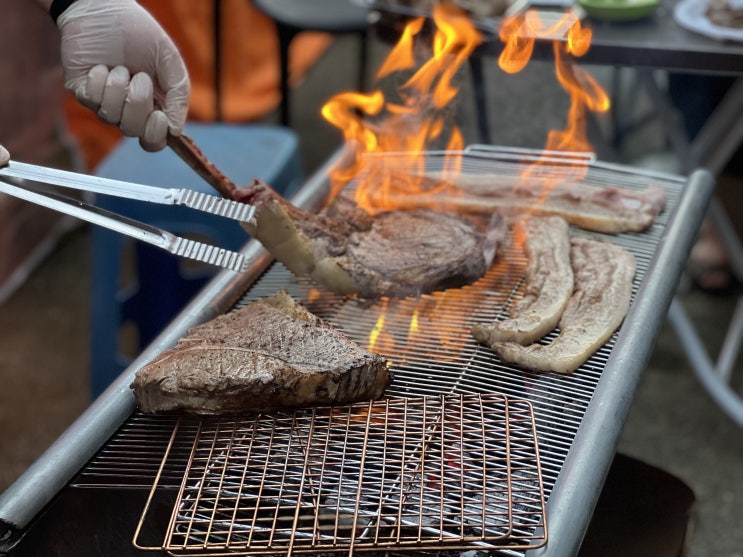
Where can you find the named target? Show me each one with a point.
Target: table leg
(712, 148)
(721, 135)
(481, 103)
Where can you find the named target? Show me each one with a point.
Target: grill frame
(578, 483)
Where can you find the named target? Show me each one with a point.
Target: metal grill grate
(437, 356)
(449, 472)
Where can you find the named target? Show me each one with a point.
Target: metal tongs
(32, 183)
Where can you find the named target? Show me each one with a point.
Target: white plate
(690, 15)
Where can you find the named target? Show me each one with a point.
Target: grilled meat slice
(270, 354)
(549, 283)
(397, 253)
(610, 210)
(604, 274)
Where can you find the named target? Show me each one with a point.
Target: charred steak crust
(396, 253)
(406, 253)
(270, 354)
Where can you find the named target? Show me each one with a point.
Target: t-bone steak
(395, 253)
(269, 354)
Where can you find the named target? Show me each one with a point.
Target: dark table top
(653, 42)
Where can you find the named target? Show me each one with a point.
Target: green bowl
(619, 10)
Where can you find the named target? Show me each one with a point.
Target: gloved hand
(120, 63)
(4, 156)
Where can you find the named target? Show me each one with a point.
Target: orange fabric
(249, 66)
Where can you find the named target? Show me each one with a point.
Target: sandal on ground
(708, 266)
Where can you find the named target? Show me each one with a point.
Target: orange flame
(402, 56)
(519, 44)
(569, 39)
(411, 124)
(414, 122)
(585, 94)
(379, 340)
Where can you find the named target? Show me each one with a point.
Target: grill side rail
(584, 471)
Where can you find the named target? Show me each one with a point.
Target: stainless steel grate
(428, 340)
(448, 472)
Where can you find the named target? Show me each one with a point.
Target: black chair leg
(286, 35)
(481, 104)
(363, 59)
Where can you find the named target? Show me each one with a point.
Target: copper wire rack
(439, 472)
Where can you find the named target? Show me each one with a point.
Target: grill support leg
(711, 148)
(714, 376)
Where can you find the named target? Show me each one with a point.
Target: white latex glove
(4, 156)
(120, 63)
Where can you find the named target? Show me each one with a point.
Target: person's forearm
(45, 4)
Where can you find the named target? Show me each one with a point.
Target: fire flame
(373, 124)
(404, 327)
(570, 39)
(414, 121)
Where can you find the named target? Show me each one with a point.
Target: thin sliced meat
(549, 284)
(603, 274)
(601, 209)
(610, 210)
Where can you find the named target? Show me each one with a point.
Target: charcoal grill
(577, 417)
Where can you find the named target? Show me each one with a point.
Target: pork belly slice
(611, 210)
(603, 288)
(270, 354)
(396, 253)
(548, 283)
